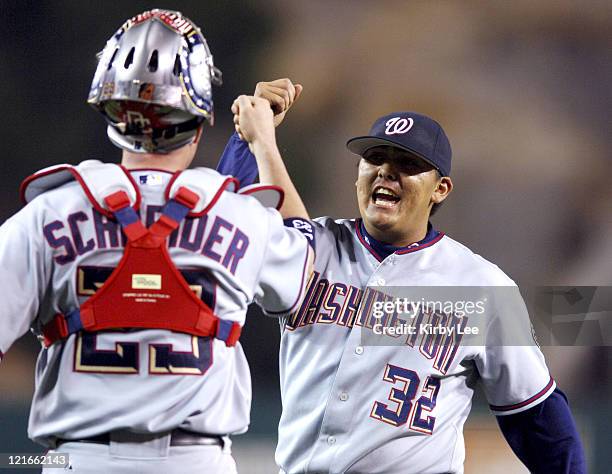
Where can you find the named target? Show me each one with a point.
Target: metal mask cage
(157, 57)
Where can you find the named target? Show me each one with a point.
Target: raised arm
(237, 160)
(254, 119)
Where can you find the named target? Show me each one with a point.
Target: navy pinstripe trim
(365, 243)
(421, 247)
(524, 403)
(378, 257)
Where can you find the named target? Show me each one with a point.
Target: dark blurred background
(522, 89)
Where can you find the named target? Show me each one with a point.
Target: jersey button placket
(331, 440)
(359, 350)
(344, 397)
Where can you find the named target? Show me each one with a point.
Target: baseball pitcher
(399, 407)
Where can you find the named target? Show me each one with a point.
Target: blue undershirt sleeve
(545, 438)
(238, 161)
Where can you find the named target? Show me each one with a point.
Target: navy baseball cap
(415, 133)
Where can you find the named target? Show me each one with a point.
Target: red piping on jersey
(175, 175)
(213, 201)
(25, 183)
(88, 193)
(265, 187)
(422, 246)
(365, 243)
(136, 188)
(524, 403)
(179, 309)
(398, 252)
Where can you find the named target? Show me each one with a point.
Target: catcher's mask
(154, 82)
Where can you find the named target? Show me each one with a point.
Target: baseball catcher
(136, 277)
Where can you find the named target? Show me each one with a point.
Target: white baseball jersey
(58, 250)
(358, 408)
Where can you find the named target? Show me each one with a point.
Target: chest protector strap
(146, 289)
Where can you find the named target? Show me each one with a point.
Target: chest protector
(146, 290)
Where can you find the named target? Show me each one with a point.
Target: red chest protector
(146, 290)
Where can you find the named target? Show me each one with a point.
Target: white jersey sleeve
(512, 367)
(283, 275)
(23, 277)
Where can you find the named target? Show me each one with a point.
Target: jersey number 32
(404, 408)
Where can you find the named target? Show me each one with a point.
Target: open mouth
(384, 197)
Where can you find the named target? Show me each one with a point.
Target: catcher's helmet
(153, 82)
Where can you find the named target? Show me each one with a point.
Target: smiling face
(395, 192)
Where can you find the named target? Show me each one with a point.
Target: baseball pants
(151, 457)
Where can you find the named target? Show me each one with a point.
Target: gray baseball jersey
(358, 408)
(58, 250)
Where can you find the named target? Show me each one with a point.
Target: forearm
(272, 171)
(545, 437)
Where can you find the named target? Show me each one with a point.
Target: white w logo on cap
(397, 125)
